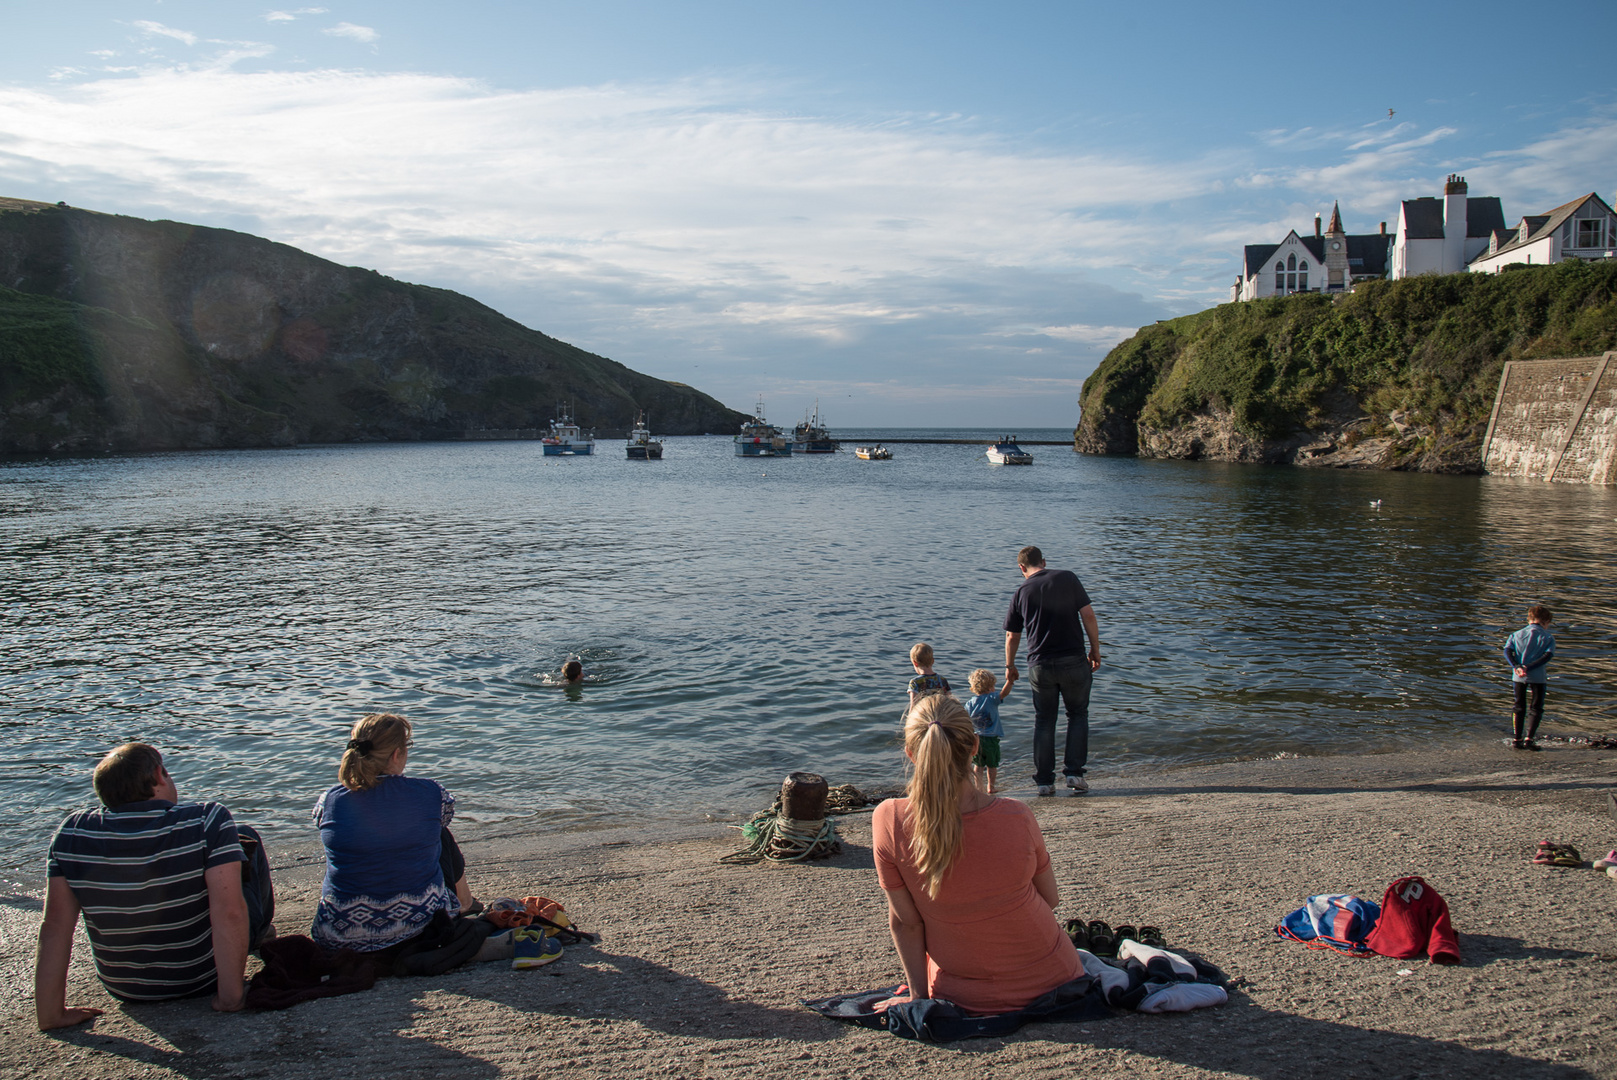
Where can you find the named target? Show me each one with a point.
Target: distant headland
(120, 334)
(1393, 375)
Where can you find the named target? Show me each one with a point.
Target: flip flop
(1566, 855)
(1152, 936)
(1101, 941)
(1078, 931)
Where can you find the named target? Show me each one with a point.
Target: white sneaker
(1047, 789)
(1078, 784)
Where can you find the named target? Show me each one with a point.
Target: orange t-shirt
(992, 943)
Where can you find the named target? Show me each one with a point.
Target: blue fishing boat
(812, 436)
(759, 438)
(1006, 452)
(565, 438)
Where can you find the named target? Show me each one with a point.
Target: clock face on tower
(1336, 246)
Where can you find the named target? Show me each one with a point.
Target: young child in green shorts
(983, 705)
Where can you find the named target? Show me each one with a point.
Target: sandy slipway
(700, 965)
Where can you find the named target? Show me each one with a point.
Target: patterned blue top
(984, 710)
(383, 882)
(137, 871)
(929, 684)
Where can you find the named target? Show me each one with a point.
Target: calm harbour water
(740, 618)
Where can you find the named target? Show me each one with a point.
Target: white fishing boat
(873, 453)
(566, 439)
(641, 446)
(1006, 452)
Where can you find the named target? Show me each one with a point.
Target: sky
(916, 214)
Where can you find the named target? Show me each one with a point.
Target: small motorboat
(641, 446)
(1006, 452)
(873, 453)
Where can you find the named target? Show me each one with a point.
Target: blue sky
(922, 214)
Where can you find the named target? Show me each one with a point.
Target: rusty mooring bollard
(802, 796)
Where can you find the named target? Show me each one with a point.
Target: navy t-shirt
(1045, 611)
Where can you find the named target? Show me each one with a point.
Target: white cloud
(362, 34)
(157, 29)
(678, 225)
(290, 16)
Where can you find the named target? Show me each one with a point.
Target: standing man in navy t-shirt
(1053, 609)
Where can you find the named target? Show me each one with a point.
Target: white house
(1328, 261)
(1584, 228)
(1440, 236)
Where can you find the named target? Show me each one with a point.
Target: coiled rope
(784, 839)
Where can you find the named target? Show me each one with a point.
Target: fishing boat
(759, 438)
(1006, 452)
(812, 437)
(565, 438)
(641, 446)
(873, 453)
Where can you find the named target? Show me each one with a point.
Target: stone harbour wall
(1555, 420)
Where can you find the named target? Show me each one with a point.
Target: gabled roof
(1483, 215)
(1367, 254)
(1423, 218)
(1257, 256)
(1542, 225)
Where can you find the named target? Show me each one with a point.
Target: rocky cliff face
(123, 334)
(1396, 375)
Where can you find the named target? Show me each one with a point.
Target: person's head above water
(572, 671)
(940, 739)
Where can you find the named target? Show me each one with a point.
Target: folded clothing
(1414, 920)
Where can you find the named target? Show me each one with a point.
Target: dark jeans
(450, 859)
(1065, 679)
(1529, 708)
(255, 885)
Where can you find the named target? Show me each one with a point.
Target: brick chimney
(1383, 228)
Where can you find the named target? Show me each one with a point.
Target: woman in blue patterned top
(391, 863)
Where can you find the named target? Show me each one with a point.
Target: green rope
(782, 839)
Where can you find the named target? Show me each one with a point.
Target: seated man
(171, 901)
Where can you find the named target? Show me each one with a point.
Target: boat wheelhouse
(812, 436)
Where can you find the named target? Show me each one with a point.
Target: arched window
(1302, 276)
(1291, 273)
(1280, 277)
(1291, 262)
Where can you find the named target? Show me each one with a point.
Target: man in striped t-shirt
(170, 899)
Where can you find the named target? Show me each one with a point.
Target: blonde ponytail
(370, 746)
(940, 739)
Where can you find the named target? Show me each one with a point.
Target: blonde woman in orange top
(970, 893)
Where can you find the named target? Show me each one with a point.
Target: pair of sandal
(1553, 854)
(1102, 940)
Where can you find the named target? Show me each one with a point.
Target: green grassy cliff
(123, 334)
(1396, 374)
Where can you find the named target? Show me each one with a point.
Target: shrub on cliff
(1431, 347)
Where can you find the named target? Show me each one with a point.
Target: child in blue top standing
(983, 705)
(1528, 651)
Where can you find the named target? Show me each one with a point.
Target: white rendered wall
(1541, 252)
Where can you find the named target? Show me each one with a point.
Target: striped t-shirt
(137, 873)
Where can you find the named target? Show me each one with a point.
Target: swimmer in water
(572, 673)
